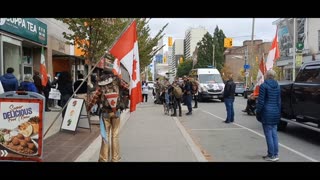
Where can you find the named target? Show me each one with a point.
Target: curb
(194, 148)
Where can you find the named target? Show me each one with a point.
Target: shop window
(27, 57)
(12, 58)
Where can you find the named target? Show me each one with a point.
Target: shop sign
(29, 28)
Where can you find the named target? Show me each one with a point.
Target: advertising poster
(72, 115)
(21, 129)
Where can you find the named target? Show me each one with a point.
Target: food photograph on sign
(72, 114)
(19, 128)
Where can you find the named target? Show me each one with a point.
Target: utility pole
(251, 62)
(213, 62)
(294, 50)
(245, 63)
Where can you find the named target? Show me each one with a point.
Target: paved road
(243, 141)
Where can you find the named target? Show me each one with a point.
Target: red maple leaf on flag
(134, 67)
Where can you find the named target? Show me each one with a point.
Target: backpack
(177, 92)
(194, 87)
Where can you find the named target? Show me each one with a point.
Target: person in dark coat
(65, 87)
(268, 113)
(9, 81)
(188, 94)
(37, 82)
(46, 92)
(228, 95)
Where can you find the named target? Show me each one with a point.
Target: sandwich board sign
(76, 115)
(21, 126)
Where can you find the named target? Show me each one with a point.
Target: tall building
(192, 37)
(160, 44)
(307, 33)
(177, 53)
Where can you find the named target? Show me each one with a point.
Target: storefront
(286, 65)
(21, 41)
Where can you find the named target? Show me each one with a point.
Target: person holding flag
(251, 102)
(112, 92)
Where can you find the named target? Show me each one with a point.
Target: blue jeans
(188, 102)
(270, 131)
(229, 106)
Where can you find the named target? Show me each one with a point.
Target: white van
(211, 83)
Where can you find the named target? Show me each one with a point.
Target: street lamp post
(294, 50)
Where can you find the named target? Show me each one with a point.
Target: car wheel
(236, 94)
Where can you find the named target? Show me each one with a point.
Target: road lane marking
(215, 129)
(261, 135)
(196, 151)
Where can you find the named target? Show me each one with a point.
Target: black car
(248, 91)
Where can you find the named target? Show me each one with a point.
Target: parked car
(248, 91)
(300, 99)
(150, 85)
(240, 88)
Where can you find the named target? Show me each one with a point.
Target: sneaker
(189, 113)
(272, 159)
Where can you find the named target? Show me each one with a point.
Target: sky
(239, 29)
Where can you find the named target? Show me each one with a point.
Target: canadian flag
(261, 72)
(43, 70)
(274, 52)
(117, 68)
(127, 53)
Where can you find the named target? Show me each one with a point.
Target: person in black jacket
(228, 95)
(65, 88)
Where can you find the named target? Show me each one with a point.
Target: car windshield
(239, 85)
(210, 78)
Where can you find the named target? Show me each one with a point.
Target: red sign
(21, 125)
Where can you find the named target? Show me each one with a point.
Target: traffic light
(228, 42)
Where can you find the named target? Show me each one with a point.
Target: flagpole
(251, 60)
(294, 50)
(92, 69)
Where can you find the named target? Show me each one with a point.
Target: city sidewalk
(147, 135)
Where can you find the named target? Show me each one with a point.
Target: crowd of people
(180, 91)
(264, 102)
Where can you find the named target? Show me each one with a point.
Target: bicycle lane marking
(261, 135)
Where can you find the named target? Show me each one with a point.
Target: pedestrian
(65, 87)
(46, 91)
(28, 84)
(9, 81)
(251, 102)
(37, 82)
(145, 91)
(188, 94)
(176, 97)
(228, 95)
(195, 87)
(268, 113)
(108, 95)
